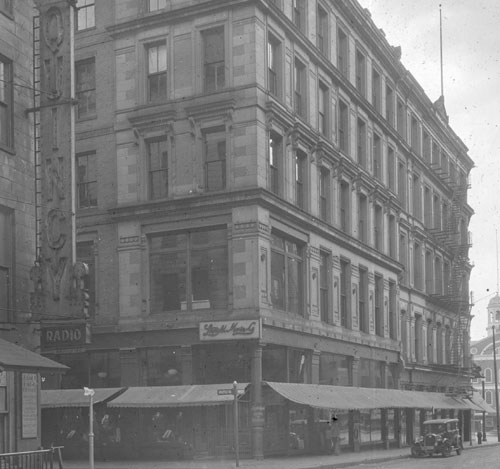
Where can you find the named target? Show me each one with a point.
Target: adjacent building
(265, 193)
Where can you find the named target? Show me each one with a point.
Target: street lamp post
(484, 413)
(496, 382)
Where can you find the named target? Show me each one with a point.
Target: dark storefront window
(298, 366)
(370, 374)
(189, 271)
(163, 366)
(334, 370)
(105, 369)
(274, 364)
(220, 363)
(371, 426)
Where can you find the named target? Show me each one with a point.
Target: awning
(481, 405)
(52, 398)
(353, 398)
(176, 396)
(13, 356)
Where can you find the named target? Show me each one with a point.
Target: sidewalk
(305, 462)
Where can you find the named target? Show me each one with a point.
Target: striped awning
(176, 396)
(52, 398)
(353, 398)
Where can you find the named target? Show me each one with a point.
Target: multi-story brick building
(269, 171)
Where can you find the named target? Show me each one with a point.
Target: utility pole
(496, 382)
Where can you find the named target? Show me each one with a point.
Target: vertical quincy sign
(58, 279)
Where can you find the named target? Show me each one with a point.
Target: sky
(471, 64)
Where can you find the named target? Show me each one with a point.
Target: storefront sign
(230, 330)
(64, 336)
(29, 403)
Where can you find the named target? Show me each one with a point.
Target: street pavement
(305, 462)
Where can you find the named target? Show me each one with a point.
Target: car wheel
(446, 451)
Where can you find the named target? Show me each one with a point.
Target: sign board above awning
(240, 329)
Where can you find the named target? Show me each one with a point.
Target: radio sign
(64, 336)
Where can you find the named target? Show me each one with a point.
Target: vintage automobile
(439, 436)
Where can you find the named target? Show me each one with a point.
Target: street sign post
(236, 429)
(90, 392)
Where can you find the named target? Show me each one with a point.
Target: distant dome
(494, 302)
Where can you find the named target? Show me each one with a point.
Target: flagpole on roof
(441, 49)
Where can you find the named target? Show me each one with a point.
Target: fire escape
(455, 239)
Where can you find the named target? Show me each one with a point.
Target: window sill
(7, 14)
(7, 149)
(90, 117)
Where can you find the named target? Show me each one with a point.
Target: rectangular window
(85, 14)
(426, 146)
(403, 257)
(361, 72)
(392, 236)
(376, 89)
(214, 65)
(362, 217)
(435, 154)
(393, 326)
(401, 119)
(6, 261)
(427, 207)
(188, 270)
(286, 275)
(324, 194)
(429, 271)
(86, 179)
(85, 88)
(299, 14)
(275, 162)
(438, 276)
(342, 52)
(324, 286)
(7, 7)
(157, 152)
(300, 170)
(215, 159)
(274, 65)
(155, 5)
(446, 278)
(345, 210)
(345, 288)
(415, 135)
(300, 88)
(364, 325)
(402, 183)
(6, 107)
(157, 71)
(85, 253)
(322, 30)
(389, 105)
(417, 197)
(343, 127)
(417, 266)
(445, 217)
(379, 306)
(323, 109)
(377, 156)
(437, 212)
(378, 229)
(361, 141)
(391, 162)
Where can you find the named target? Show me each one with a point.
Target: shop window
(85, 252)
(287, 275)
(189, 271)
(6, 263)
(298, 366)
(274, 73)
(275, 162)
(300, 90)
(157, 71)
(85, 14)
(163, 366)
(363, 301)
(343, 126)
(214, 65)
(300, 170)
(322, 30)
(85, 88)
(6, 96)
(325, 286)
(345, 290)
(215, 159)
(274, 363)
(335, 370)
(223, 363)
(379, 305)
(86, 179)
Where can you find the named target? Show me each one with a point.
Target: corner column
(257, 410)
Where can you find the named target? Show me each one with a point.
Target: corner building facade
(265, 193)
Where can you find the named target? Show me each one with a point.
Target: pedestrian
(335, 435)
(479, 437)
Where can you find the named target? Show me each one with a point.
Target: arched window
(498, 316)
(487, 375)
(488, 397)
